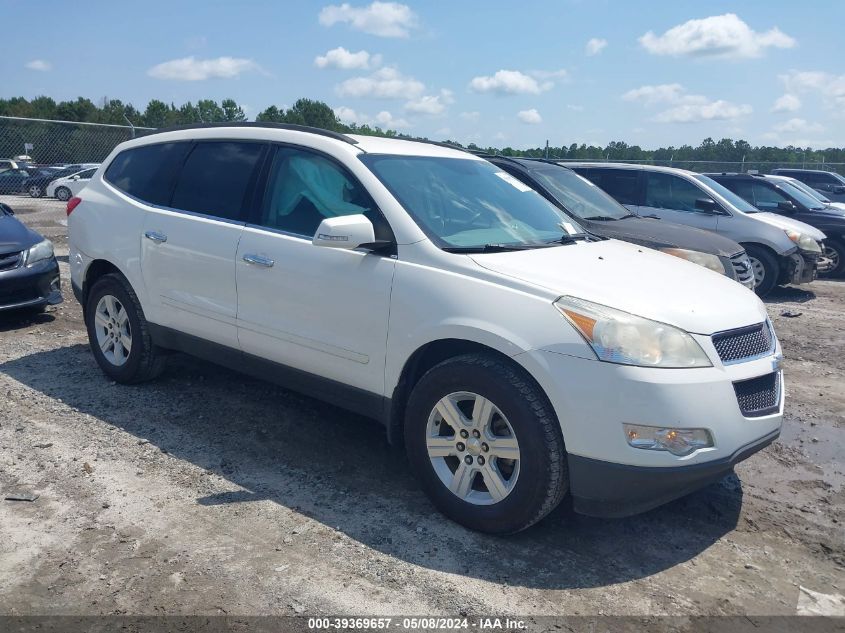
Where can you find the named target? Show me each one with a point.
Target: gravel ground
(208, 492)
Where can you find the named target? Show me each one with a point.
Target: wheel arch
(96, 269)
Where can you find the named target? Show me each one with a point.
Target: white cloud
(431, 104)
(193, 69)
(787, 103)
(717, 36)
(595, 46)
(39, 65)
(718, 110)
(798, 125)
(341, 58)
(508, 82)
(831, 87)
(385, 83)
(532, 117)
(383, 119)
(686, 108)
(385, 19)
(550, 74)
(470, 116)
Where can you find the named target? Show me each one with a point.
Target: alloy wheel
(35, 191)
(759, 271)
(114, 333)
(63, 194)
(472, 448)
(833, 255)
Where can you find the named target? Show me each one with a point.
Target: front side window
(87, 174)
(665, 191)
(467, 203)
(148, 172)
(304, 188)
(622, 184)
(767, 198)
(732, 199)
(216, 177)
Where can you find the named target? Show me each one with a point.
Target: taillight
(72, 204)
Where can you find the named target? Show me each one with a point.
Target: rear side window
(149, 172)
(619, 183)
(216, 177)
(665, 191)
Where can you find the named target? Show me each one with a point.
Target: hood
(15, 236)
(635, 279)
(837, 205)
(783, 222)
(661, 234)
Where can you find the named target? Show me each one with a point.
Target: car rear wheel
(118, 332)
(63, 194)
(485, 444)
(35, 191)
(765, 268)
(834, 250)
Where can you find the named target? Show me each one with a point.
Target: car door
(320, 310)
(11, 180)
(189, 246)
(78, 182)
(674, 199)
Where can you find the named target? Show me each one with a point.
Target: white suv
(427, 288)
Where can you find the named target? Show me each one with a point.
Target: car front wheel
(485, 444)
(834, 250)
(63, 194)
(35, 191)
(765, 267)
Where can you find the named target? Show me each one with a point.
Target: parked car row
(482, 310)
(55, 181)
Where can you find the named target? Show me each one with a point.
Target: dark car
(780, 197)
(11, 180)
(828, 182)
(29, 273)
(37, 183)
(601, 215)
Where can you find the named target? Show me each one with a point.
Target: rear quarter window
(148, 172)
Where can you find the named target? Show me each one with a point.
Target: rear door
(673, 198)
(189, 245)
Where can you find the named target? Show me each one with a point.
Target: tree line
(158, 114)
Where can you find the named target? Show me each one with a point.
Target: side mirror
(74, 177)
(787, 206)
(838, 189)
(346, 231)
(706, 205)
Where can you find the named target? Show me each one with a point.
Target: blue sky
(496, 73)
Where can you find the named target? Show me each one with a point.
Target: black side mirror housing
(706, 205)
(787, 206)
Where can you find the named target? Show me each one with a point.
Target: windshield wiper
(635, 215)
(602, 218)
(494, 248)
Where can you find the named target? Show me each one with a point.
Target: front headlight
(39, 252)
(711, 262)
(804, 241)
(620, 337)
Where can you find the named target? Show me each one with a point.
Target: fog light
(676, 441)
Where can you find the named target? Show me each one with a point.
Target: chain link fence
(50, 142)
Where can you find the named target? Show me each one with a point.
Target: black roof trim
(260, 124)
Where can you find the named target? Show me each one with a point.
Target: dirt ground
(207, 492)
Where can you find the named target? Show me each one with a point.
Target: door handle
(258, 260)
(155, 236)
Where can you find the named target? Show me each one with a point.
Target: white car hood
(638, 280)
(788, 223)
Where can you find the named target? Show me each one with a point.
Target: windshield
(469, 203)
(578, 195)
(807, 189)
(803, 198)
(727, 194)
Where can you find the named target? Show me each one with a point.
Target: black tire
(35, 191)
(64, 194)
(836, 249)
(144, 361)
(771, 270)
(543, 476)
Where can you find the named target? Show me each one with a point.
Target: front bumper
(800, 268)
(593, 399)
(605, 489)
(31, 286)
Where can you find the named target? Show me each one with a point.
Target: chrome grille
(743, 343)
(9, 261)
(743, 270)
(758, 396)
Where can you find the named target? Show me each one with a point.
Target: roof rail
(261, 124)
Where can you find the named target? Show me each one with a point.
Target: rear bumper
(606, 489)
(31, 287)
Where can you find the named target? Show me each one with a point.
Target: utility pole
(547, 149)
